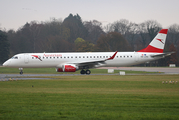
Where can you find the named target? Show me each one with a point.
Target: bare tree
(94, 30)
(153, 27)
(126, 28)
(122, 26)
(173, 34)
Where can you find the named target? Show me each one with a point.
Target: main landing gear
(21, 70)
(85, 72)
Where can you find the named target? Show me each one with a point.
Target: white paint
(122, 73)
(172, 65)
(110, 70)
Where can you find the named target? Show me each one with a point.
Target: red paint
(59, 70)
(160, 40)
(69, 68)
(164, 31)
(112, 56)
(37, 57)
(152, 49)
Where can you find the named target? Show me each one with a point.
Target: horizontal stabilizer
(162, 55)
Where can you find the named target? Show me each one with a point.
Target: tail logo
(160, 40)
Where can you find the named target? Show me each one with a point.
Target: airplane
(73, 61)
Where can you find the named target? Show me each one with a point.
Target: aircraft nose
(6, 63)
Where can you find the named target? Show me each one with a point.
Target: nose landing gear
(21, 70)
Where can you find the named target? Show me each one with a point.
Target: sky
(15, 13)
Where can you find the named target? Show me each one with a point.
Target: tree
(76, 27)
(4, 47)
(173, 57)
(57, 44)
(173, 34)
(152, 27)
(126, 28)
(142, 31)
(94, 30)
(83, 46)
(111, 42)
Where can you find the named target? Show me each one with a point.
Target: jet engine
(67, 68)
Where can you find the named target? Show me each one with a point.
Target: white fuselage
(44, 60)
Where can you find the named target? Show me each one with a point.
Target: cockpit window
(15, 57)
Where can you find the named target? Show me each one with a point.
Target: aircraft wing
(162, 55)
(94, 62)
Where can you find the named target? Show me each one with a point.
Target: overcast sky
(15, 13)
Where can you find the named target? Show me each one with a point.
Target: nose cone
(5, 64)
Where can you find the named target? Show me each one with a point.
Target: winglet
(112, 56)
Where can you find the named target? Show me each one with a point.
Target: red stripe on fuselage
(152, 49)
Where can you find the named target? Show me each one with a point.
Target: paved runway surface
(165, 70)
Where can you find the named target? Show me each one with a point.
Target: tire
(88, 72)
(82, 72)
(21, 72)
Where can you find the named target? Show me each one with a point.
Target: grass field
(91, 97)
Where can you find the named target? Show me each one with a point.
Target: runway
(163, 70)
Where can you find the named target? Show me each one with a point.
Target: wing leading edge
(94, 62)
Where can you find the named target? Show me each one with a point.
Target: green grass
(91, 97)
(6, 70)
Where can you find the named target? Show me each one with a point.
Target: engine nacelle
(67, 68)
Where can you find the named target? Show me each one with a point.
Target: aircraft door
(136, 57)
(26, 58)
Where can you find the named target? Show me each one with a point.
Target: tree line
(75, 35)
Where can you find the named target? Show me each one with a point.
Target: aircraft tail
(157, 44)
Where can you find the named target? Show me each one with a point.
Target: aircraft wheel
(82, 72)
(88, 72)
(21, 72)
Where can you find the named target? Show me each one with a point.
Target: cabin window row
(84, 57)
